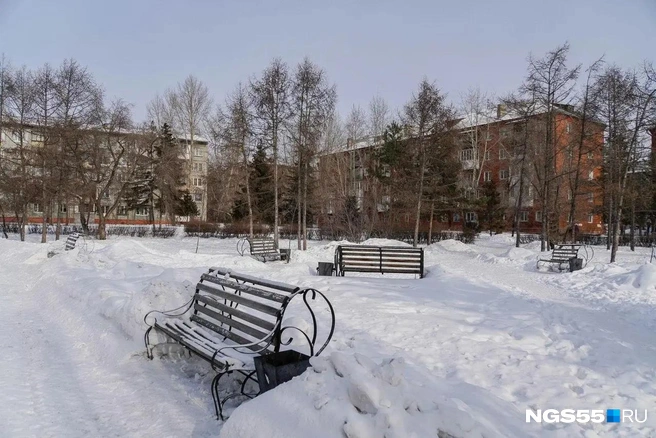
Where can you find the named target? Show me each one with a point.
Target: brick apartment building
(489, 152)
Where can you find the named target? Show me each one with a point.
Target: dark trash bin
(285, 254)
(276, 368)
(325, 268)
(575, 264)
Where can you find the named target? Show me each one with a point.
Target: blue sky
(140, 47)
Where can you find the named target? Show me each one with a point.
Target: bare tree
(549, 83)
(190, 105)
(628, 108)
(428, 118)
(53, 175)
(109, 151)
(236, 134)
(16, 167)
(271, 95)
(356, 124)
(313, 101)
(379, 116)
(159, 112)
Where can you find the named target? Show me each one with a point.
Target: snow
(465, 350)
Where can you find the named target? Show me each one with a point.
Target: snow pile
(351, 395)
(452, 245)
(385, 242)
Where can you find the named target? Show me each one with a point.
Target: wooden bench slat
(238, 299)
(223, 332)
(249, 330)
(266, 325)
(251, 290)
(255, 280)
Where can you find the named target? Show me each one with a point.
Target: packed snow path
(61, 373)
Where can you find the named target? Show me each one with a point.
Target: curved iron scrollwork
(242, 245)
(312, 293)
(178, 311)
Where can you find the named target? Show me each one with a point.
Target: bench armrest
(169, 313)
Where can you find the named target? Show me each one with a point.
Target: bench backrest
(262, 245)
(564, 252)
(241, 308)
(71, 240)
(383, 259)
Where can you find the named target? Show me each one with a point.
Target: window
(590, 197)
(590, 155)
(487, 176)
(37, 208)
(538, 216)
(456, 217)
(15, 136)
(523, 216)
(569, 195)
(198, 196)
(487, 155)
(504, 174)
(106, 194)
(198, 152)
(105, 209)
(505, 132)
(141, 211)
(62, 208)
(407, 217)
(470, 216)
(386, 172)
(568, 128)
(502, 154)
(37, 137)
(591, 175)
(198, 182)
(198, 167)
(467, 154)
(569, 217)
(488, 136)
(122, 210)
(590, 218)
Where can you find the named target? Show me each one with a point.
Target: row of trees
(65, 143)
(277, 149)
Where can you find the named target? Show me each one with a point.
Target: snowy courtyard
(465, 350)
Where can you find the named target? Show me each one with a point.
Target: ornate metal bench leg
(149, 350)
(218, 405)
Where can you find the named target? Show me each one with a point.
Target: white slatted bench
(379, 259)
(564, 257)
(71, 240)
(263, 249)
(232, 318)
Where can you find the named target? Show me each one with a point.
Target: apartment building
(194, 154)
(495, 148)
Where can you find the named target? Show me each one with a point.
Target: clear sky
(140, 47)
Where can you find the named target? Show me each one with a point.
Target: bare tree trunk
(276, 220)
(610, 222)
(299, 200)
(44, 228)
(430, 225)
(305, 188)
(58, 226)
(415, 240)
(250, 206)
(633, 222)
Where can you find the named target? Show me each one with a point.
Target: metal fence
(111, 230)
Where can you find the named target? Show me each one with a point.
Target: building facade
(194, 156)
(498, 149)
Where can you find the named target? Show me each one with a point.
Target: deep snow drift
(465, 350)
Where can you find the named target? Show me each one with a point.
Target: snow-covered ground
(466, 350)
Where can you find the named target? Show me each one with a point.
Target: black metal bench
(263, 249)
(233, 318)
(71, 240)
(565, 257)
(379, 259)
